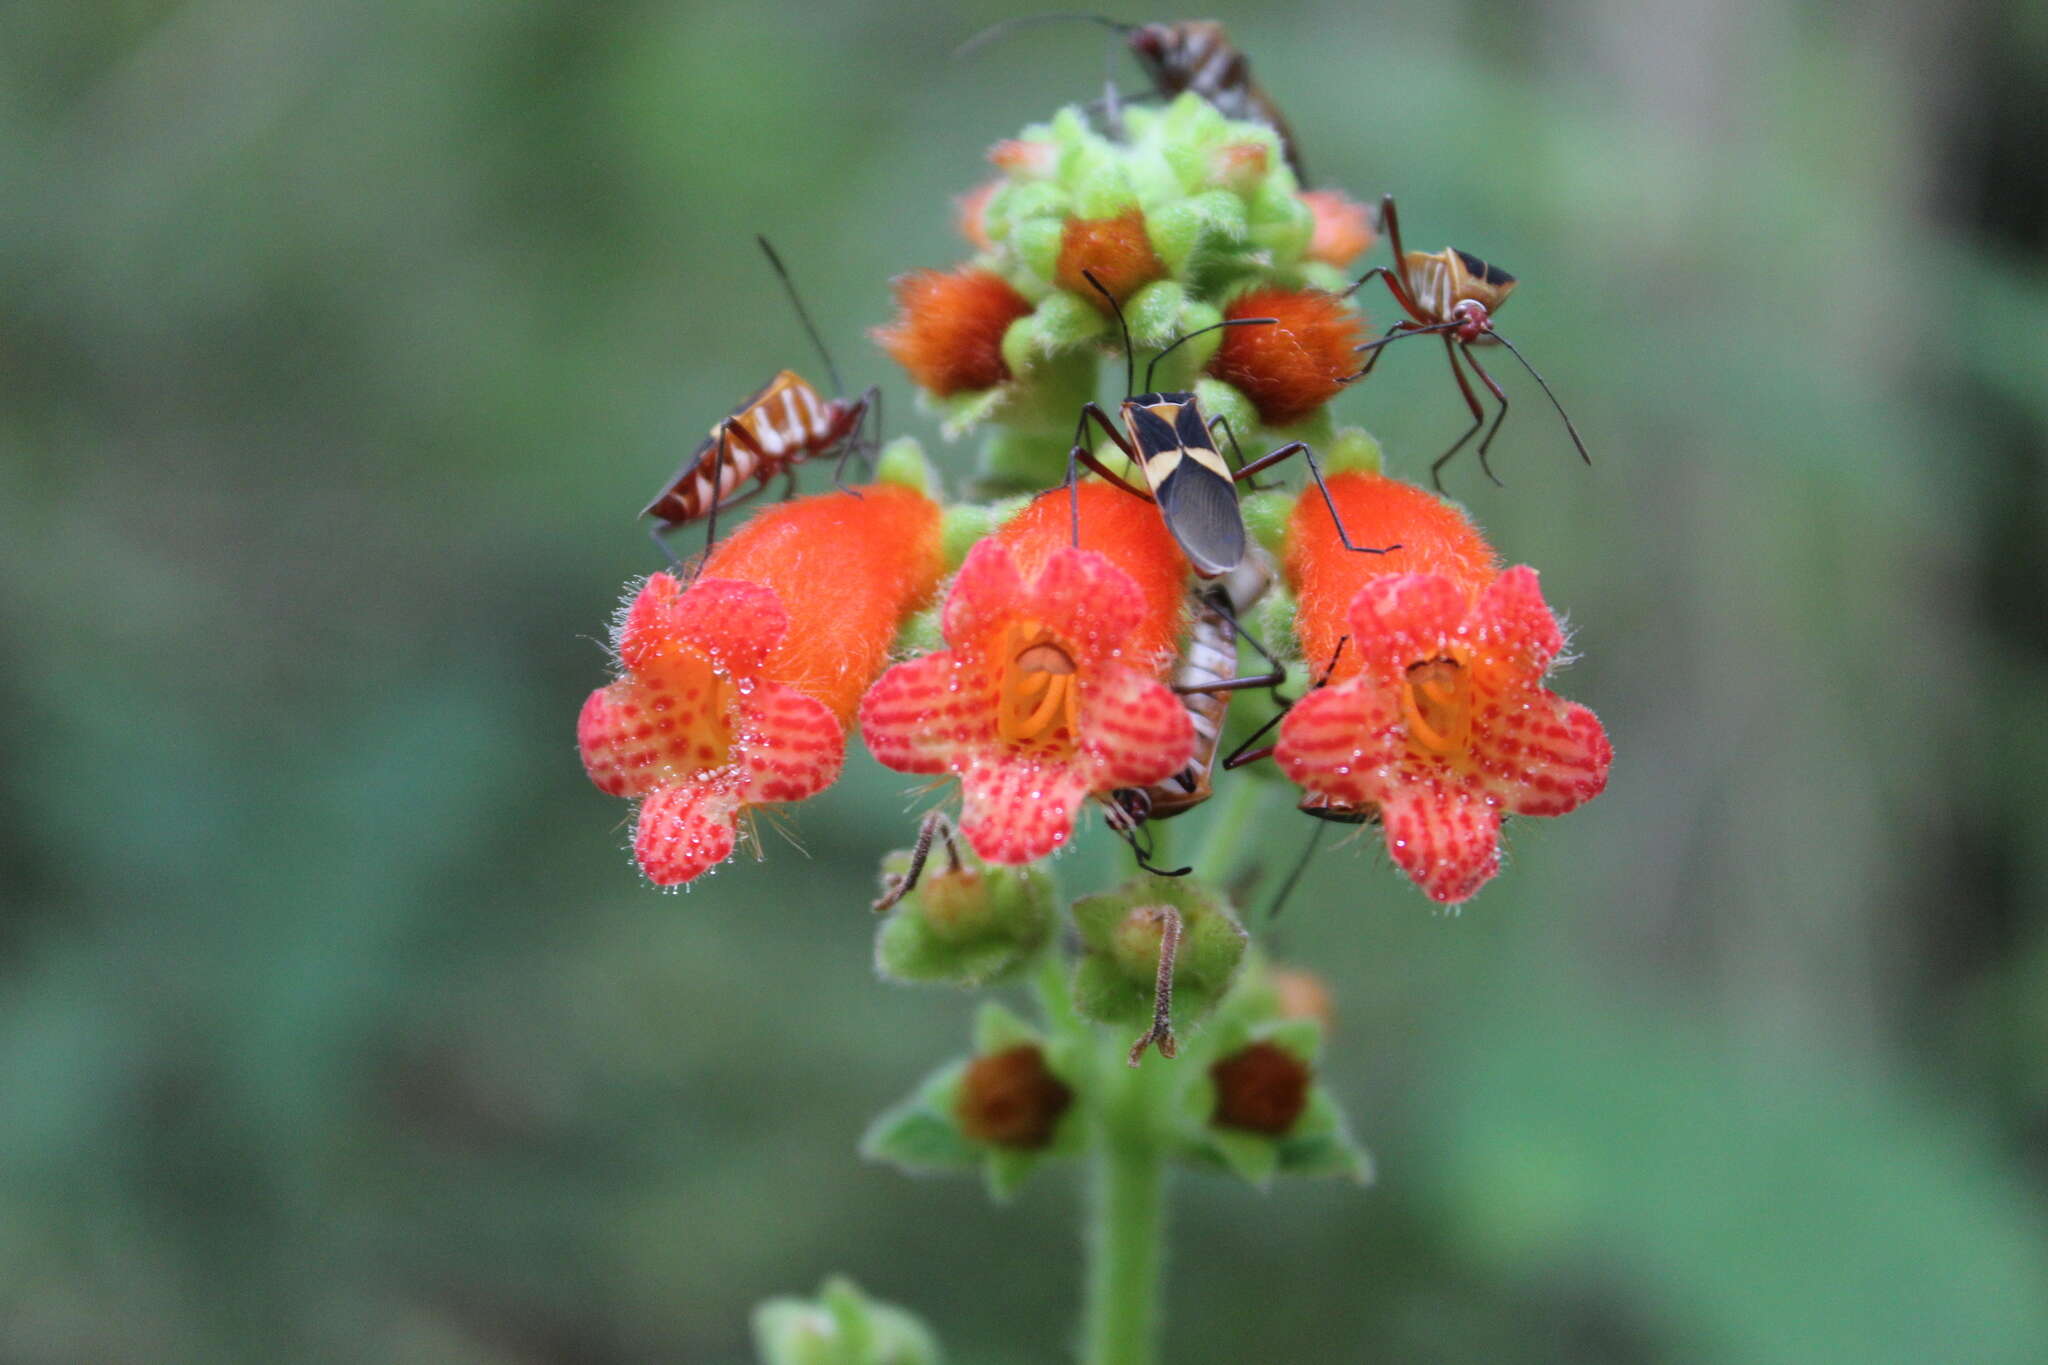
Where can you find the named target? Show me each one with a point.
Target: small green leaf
(997, 1029)
(1249, 1156)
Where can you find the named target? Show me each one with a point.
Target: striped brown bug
(1452, 294)
(783, 424)
(1173, 444)
(1193, 54)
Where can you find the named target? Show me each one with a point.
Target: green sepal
(1061, 322)
(1246, 1155)
(903, 462)
(919, 634)
(1018, 202)
(1003, 1172)
(997, 1028)
(1279, 221)
(1219, 399)
(1036, 242)
(1017, 461)
(964, 927)
(842, 1327)
(1322, 1145)
(1190, 120)
(1100, 186)
(1154, 313)
(1265, 515)
(1180, 372)
(961, 413)
(1350, 450)
(920, 1133)
(1322, 275)
(961, 527)
(1183, 230)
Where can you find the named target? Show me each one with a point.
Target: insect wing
(1200, 507)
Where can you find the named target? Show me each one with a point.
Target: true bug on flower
(1173, 444)
(786, 422)
(1193, 54)
(1452, 294)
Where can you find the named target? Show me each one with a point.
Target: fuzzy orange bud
(949, 328)
(1290, 368)
(1128, 532)
(849, 566)
(1434, 536)
(1115, 251)
(1343, 227)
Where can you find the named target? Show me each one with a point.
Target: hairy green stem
(1126, 1216)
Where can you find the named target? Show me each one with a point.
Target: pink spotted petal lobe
(731, 622)
(1341, 742)
(1134, 731)
(792, 743)
(1445, 837)
(621, 750)
(1515, 625)
(921, 715)
(1404, 617)
(1016, 808)
(1546, 757)
(687, 829)
(1090, 603)
(984, 595)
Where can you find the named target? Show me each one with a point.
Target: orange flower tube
(735, 689)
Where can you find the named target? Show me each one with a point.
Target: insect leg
(1436, 470)
(1244, 753)
(1222, 419)
(935, 825)
(1081, 454)
(1495, 389)
(1294, 877)
(856, 442)
(1315, 470)
(718, 463)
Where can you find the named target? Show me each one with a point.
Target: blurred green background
(340, 341)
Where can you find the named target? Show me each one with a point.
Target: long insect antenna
(995, 31)
(1130, 356)
(1548, 394)
(803, 315)
(1214, 326)
(1433, 329)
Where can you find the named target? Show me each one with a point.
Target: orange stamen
(1437, 704)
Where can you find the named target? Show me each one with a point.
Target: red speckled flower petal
(1016, 809)
(1543, 756)
(1514, 626)
(645, 634)
(686, 830)
(985, 593)
(925, 715)
(1445, 837)
(621, 751)
(1135, 731)
(1338, 741)
(731, 622)
(1089, 603)
(1402, 619)
(792, 746)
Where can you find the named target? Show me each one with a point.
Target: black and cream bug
(1452, 294)
(1173, 444)
(786, 422)
(1192, 54)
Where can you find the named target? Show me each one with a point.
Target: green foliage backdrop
(339, 342)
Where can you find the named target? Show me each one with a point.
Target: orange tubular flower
(735, 691)
(1436, 718)
(1050, 688)
(1114, 250)
(949, 328)
(1343, 230)
(1293, 367)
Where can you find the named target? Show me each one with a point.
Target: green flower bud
(1350, 450)
(1265, 516)
(842, 1326)
(903, 462)
(965, 922)
(1154, 313)
(1186, 227)
(1121, 933)
(920, 632)
(1279, 221)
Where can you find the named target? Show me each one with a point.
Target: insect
(1194, 54)
(1173, 445)
(783, 424)
(1452, 294)
(1204, 680)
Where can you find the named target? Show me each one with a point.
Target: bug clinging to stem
(1452, 294)
(1173, 445)
(1192, 54)
(783, 424)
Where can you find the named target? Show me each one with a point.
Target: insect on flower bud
(956, 919)
(1123, 935)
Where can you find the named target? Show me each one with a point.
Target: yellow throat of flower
(1437, 704)
(1040, 694)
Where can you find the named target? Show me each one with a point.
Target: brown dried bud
(1010, 1099)
(1262, 1089)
